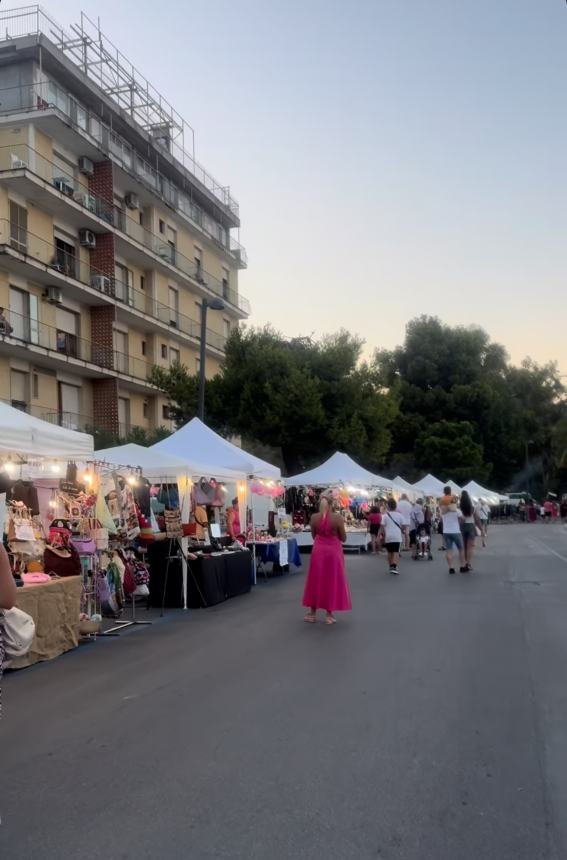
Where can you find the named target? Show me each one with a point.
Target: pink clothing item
(327, 586)
(374, 519)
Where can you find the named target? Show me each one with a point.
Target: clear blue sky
(391, 157)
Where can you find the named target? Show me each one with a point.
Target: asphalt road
(428, 724)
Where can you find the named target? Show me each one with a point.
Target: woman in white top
(391, 532)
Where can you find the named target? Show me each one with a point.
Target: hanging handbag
(141, 573)
(173, 528)
(204, 492)
(18, 630)
(84, 545)
(62, 562)
(101, 538)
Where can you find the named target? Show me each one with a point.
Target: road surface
(429, 724)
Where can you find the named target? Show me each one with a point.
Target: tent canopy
(156, 465)
(476, 492)
(430, 486)
(401, 484)
(455, 489)
(197, 442)
(338, 469)
(24, 434)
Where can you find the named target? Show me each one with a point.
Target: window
(166, 412)
(142, 283)
(65, 257)
(162, 227)
(145, 409)
(123, 415)
(18, 227)
(198, 262)
(35, 386)
(121, 346)
(174, 356)
(63, 174)
(143, 347)
(197, 366)
(19, 316)
(173, 307)
(225, 283)
(119, 213)
(164, 350)
(123, 284)
(172, 242)
(141, 217)
(226, 328)
(19, 389)
(69, 405)
(67, 332)
(199, 311)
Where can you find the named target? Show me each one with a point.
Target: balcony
(52, 188)
(47, 98)
(54, 266)
(87, 357)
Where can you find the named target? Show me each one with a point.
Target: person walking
(484, 516)
(374, 520)
(404, 507)
(470, 521)
(8, 592)
(392, 534)
(417, 519)
(452, 536)
(327, 587)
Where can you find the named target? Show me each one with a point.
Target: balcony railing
(23, 157)
(49, 95)
(66, 263)
(32, 20)
(32, 332)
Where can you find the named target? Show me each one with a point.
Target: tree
(305, 397)
(447, 448)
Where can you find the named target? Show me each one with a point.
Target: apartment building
(112, 236)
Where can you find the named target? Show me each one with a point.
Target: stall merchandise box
(55, 607)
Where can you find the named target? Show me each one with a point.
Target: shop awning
(196, 441)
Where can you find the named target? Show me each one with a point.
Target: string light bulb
(87, 478)
(56, 468)
(132, 480)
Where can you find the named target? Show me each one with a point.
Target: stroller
(423, 543)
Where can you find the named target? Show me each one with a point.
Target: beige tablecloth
(55, 608)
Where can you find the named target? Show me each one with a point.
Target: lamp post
(527, 443)
(214, 305)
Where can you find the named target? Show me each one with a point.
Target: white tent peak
(430, 486)
(24, 434)
(476, 492)
(338, 469)
(197, 442)
(157, 465)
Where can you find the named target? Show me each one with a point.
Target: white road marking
(548, 548)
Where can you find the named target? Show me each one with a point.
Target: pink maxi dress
(327, 586)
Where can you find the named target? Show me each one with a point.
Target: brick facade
(102, 334)
(105, 405)
(102, 182)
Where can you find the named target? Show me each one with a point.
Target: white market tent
(338, 469)
(197, 441)
(25, 435)
(476, 492)
(429, 486)
(156, 465)
(401, 484)
(455, 489)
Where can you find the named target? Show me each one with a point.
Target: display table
(280, 556)
(355, 539)
(211, 579)
(55, 607)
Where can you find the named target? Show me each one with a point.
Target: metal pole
(527, 444)
(201, 409)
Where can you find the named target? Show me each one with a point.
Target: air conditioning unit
(86, 166)
(88, 201)
(132, 200)
(16, 162)
(63, 185)
(164, 251)
(87, 239)
(54, 295)
(101, 283)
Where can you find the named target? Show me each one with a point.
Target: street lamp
(214, 305)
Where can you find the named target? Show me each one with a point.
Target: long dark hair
(466, 504)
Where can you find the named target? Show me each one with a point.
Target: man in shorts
(452, 536)
(417, 519)
(391, 532)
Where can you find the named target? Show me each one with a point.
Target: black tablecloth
(210, 580)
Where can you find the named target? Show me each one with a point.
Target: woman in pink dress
(326, 586)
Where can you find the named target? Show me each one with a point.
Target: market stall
(35, 457)
(429, 486)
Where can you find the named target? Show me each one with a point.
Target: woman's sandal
(311, 619)
(330, 620)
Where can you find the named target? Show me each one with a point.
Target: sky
(391, 157)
